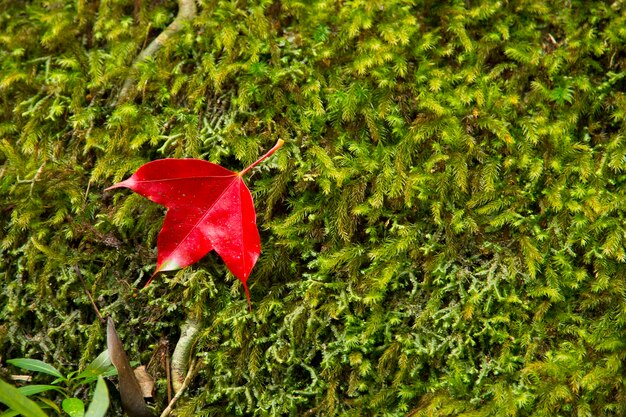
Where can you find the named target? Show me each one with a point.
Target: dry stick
(137, 10)
(95, 307)
(190, 374)
(86, 195)
(161, 354)
(186, 11)
(168, 374)
(33, 180)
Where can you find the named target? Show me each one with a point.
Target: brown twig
(195, 365)
(137, 10)
(95, 307)
(162, 358)
(168, 374)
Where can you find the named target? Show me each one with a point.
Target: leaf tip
(167, 265)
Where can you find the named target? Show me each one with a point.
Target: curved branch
(186, 11)
(182, 352)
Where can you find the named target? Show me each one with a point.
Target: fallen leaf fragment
(146, 382)
(130, 390)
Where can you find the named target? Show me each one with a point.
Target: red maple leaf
(209, 207)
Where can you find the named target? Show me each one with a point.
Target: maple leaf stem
(271, 151)
(151, 278)
(248, 296)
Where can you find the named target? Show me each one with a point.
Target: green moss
(443, 231)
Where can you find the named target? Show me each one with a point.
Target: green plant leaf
(48, 403)
(100, 366)
(29, 390)
(17, 401)
(36, 365)
(74, 407)
(100, 401)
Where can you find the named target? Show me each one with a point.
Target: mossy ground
(443, 231)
